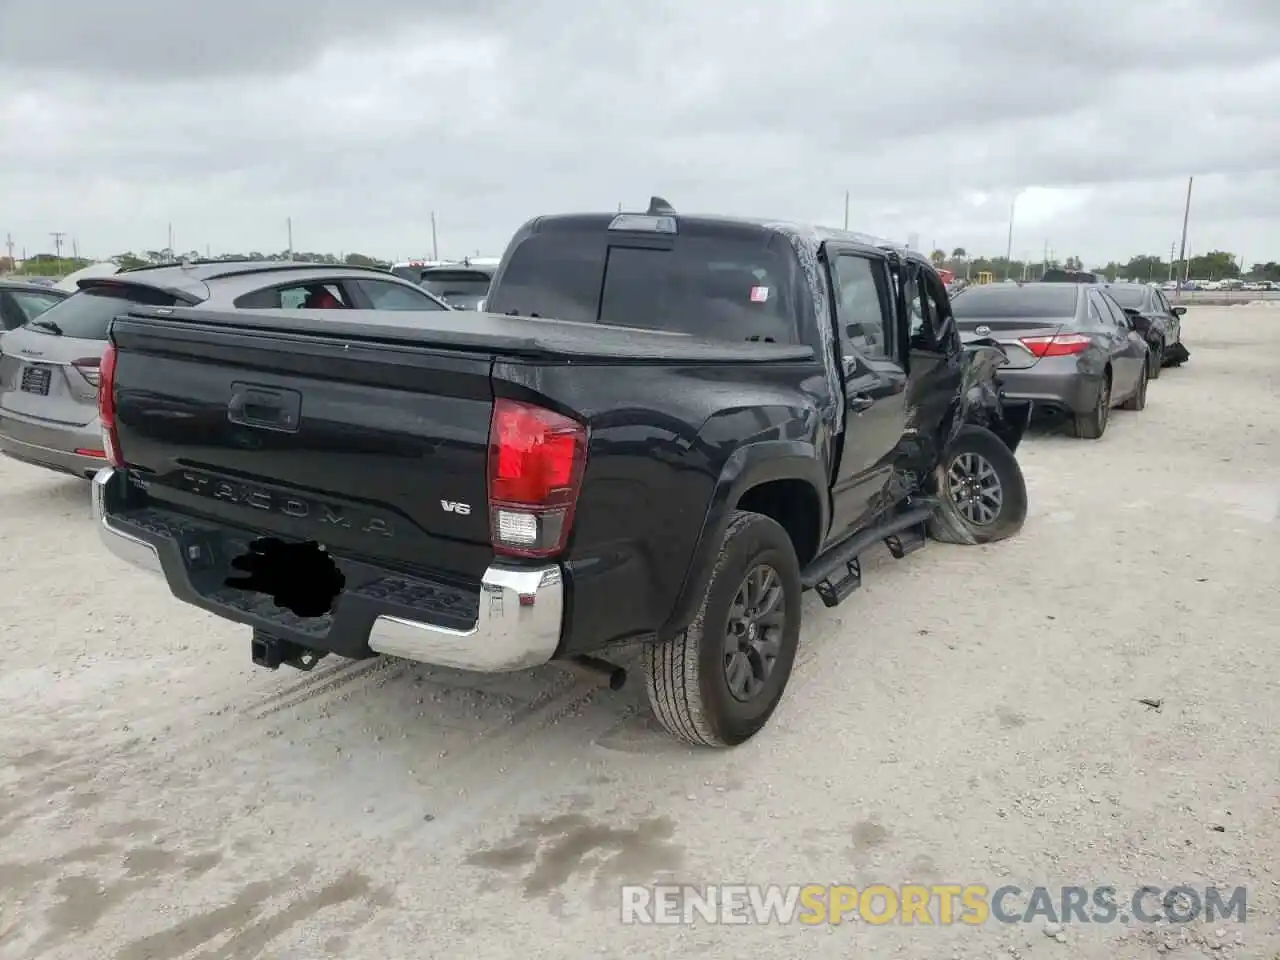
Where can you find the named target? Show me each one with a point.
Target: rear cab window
(86, 314)
(719, 284)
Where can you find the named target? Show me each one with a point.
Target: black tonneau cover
(482, 332)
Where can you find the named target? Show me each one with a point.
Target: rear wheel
(1155, 361)
(1139, 400)
(980, 489)
(717, 683)
(1092, 425)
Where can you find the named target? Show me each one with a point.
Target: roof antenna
(660, 208)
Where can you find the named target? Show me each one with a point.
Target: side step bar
(838, 572)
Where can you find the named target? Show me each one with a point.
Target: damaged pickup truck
(663, 430)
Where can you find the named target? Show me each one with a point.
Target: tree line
(1214, 265)
(48, 264)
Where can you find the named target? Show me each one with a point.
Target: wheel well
(793, 504)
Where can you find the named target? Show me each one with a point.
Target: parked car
(703, 432)
(1071, 348)
(463, 286)
(21, 302)
(49, 369)
(1054, 275)
(1159, 323)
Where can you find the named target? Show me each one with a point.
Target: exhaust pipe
(615, 675)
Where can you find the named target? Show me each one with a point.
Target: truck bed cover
(483, 332)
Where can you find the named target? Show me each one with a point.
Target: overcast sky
(358, 119)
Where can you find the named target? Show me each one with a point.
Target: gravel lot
(971, 716)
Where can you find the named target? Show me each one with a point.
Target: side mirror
(1178, 311)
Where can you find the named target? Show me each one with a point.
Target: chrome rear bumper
(521, 609)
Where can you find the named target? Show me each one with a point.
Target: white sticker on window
(759, 294)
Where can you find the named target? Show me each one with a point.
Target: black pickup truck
(663, 430)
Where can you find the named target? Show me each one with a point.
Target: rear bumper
(1051, 390)
(53, 447)
(513, 619)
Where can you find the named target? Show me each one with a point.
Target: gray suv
(49, 366)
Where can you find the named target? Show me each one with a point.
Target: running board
(838, 572)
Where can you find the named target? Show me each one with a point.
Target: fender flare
(747, 467)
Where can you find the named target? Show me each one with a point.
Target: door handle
(860, 402)
(265, 409)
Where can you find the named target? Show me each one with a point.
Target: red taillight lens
(107, 405)
(90, 368)
(536, 459)
(1062, 345)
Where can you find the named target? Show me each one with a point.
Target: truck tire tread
(674, 678)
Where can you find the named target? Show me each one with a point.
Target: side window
(32, 304)
(861, 290)
(1099, 315)
(1112, 312)
(317, 295)
(937, 305)
(1161, 303)
(393, 296)
(11, 315)
(918, 328)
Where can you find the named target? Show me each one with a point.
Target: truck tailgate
(374, 450)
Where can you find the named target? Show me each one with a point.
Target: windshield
(1133, 297)
(463, 289)
(1030, 302)
(724, 288)
(86, 314)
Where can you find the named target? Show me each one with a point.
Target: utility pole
(1173, 245)
(75, 249)
(57, 247)
(1044, 266)
(846, 209)
(435, 248)
(170, 247)
(288, 225)
(1008, 250)
(8, 242)
(1182, 255)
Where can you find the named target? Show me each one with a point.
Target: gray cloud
(359, 120)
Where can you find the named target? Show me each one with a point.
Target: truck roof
(806, 237)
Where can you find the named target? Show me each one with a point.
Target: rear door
(875, 383)
(1173, 323)
(1128, 349)
(49, 367)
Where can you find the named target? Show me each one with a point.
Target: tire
(687, 675)
(963, 522)
(1092, 425)
(1156, 363)
(1139, 400)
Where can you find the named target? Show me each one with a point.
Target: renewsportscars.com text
(936, 904)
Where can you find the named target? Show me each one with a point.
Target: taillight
(107, 406)
(536, 459)
(1062, 345)
(89, 368)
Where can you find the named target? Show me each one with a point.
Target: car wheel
(1139, 399)
(1092, 425)
(982, 495)
(717, 682)
(1155, 362)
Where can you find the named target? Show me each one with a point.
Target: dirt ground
(971, 716)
